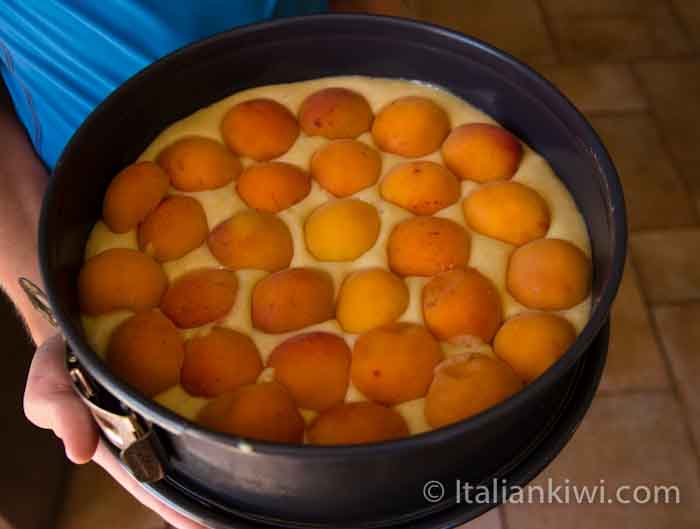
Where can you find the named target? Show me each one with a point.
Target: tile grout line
(608, 393)
(607, 113)
(685, 411)
(679, 58)
(604, 16)
(676, 304)
(503, 517)
(62, 499)
(673, 380)
(680, 21)
(661, 231)
(693, 52)
(664, 142)
(549, 28)
(665, 145)
(628, 64)
(670, 58)
(676, 58)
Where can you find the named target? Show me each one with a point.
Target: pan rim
(170, 421)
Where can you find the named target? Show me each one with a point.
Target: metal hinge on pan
(134, 438)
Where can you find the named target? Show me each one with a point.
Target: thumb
(50, 402)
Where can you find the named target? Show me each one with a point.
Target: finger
(50, 402)
(106, 460)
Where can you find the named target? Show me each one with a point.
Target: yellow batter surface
(488, 255)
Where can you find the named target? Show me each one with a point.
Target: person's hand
(51, 403)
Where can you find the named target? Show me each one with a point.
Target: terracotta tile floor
(619, 37)
(672, 88)
(689, 15)
(596, 88)
(656, 195)
(116, 510)
(633, 67)
(625, 440)
(635, 362)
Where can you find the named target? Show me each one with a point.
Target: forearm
(23, 181)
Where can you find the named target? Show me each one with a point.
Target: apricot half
(261, 129)
(463, 388)
(344, 167)
(132, 195)
(120, 278)
(292, 299)
(196, 163)
(462, 302)
(335, 113)
(421, 187)
(410, 126)
(549, 274)
(370, 298)
(395, 363)
(273, 186)
(218, 362)
(531, 342)
(482, 152)
(356, 423)
(265, 412)
(200, 296)
(507, 211)
(341, 230)
(314, 367)
(425, 246)
(177, 226)
(147, 352)
(252, 239)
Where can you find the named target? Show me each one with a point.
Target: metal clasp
(135, 439)
(38, 299)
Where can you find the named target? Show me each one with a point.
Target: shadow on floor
(32, 463)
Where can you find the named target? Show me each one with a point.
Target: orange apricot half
(132, 195)
(273, 186)
(252, 239)
(532, 341)
(341, 230)
(292, 299)
(357, 423)
(147, 352)
(335, 113)
(218, 362)
(200, 296)
(482, 152)
(507, 211)
(423, 187)
(261, 129)
(411, 126)
(265, 412)
(463, 388)
(176, 227)
(120, 278)
(425, 246)
(395, 363)
(314, 367)
(196, 163)
(344, 167)
(370, 298)
(549, 274)
(462, 302)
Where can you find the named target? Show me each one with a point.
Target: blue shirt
(61, 58)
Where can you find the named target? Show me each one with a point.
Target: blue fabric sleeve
(61, 58)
